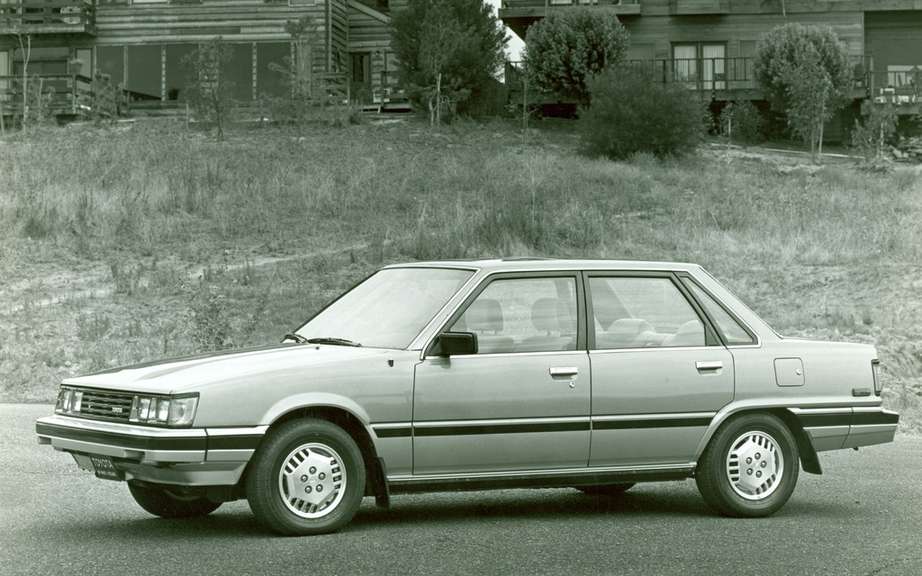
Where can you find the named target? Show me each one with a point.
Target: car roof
(539, 264)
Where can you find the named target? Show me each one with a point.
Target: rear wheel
(170, 503)
(308, 477)
(609, 490)
(750, 467)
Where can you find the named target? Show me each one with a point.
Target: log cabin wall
(374, 64)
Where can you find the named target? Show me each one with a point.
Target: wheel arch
(355, 423)
(809, 461)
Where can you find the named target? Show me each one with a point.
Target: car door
(521, 402)
(659, 371)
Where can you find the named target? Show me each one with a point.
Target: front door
(360, 87)
(659, 374)
(521, 402)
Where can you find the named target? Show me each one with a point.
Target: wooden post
(525, 105)
(2, 125)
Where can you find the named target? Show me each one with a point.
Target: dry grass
(126, 244)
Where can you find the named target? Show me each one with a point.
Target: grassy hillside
(127, 244)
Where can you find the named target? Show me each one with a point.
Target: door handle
(709, 366)
(560, 371)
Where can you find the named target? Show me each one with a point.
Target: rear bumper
(189, 457)
(847, 427)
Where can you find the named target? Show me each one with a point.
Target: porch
(47, 17)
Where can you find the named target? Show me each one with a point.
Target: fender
(317, 400)
(762, 404)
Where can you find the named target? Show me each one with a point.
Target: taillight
(875, 370)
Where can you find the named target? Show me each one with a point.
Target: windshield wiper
(332, 341)
(296, 337)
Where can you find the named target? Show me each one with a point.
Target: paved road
(864, 516)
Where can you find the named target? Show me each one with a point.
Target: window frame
(498, 276)
(754, 341)
(711, 336)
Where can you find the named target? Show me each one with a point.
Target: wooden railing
(715, 74)
(513, 4)
(50, 95)
(47, 16)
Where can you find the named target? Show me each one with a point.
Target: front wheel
(750, 467)
(170, 503)
(307, 478)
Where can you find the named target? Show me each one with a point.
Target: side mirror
(455, 344)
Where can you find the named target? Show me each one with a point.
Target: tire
(607, 490)
(167, 503)
(293, 461)
(760, 453)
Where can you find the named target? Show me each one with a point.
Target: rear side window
(733, 331)
(642, 312)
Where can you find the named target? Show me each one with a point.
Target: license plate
(105, 468)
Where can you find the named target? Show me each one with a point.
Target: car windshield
(388, 310)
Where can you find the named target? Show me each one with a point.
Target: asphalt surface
(863, 516)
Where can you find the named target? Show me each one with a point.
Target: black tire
(262, 481)
(712, 477)
(169, 503)
(607, 490)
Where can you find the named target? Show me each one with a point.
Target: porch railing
(50, 16)
(507, 4)
(54, 94)
(715, 74)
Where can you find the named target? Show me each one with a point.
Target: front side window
(642, 312)
(389, 309)
(523, 315)
(733, 331)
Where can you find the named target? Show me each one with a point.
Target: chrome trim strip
(498, 421)
(666, 416)
(243, 431)
(401, 478)
(813, 411)
(119, 428)
(390, 425)
(870, 426)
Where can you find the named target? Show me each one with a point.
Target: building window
(904, 76)
(700, 65)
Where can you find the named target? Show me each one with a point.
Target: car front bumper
(188, 457)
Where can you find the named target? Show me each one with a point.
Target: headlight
(69, 401)
(173, 411)
(875, 370)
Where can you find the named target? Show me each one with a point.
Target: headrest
(484, 314)
(544, 315)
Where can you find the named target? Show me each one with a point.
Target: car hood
(193, 373)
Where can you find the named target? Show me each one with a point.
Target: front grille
(106, 405)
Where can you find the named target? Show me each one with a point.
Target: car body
(483, 374)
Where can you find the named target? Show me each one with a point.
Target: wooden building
(709, 45)
(140, 44)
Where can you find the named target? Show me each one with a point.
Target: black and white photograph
(437, 287)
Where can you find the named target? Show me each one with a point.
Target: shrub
(870, 137)
(631, 113)
(448, 51)
(210, 90)
(741, 122)
(567, 47)
(805, 71)
(787, 46)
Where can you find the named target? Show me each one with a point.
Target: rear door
(659, 372)
(522, 402)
